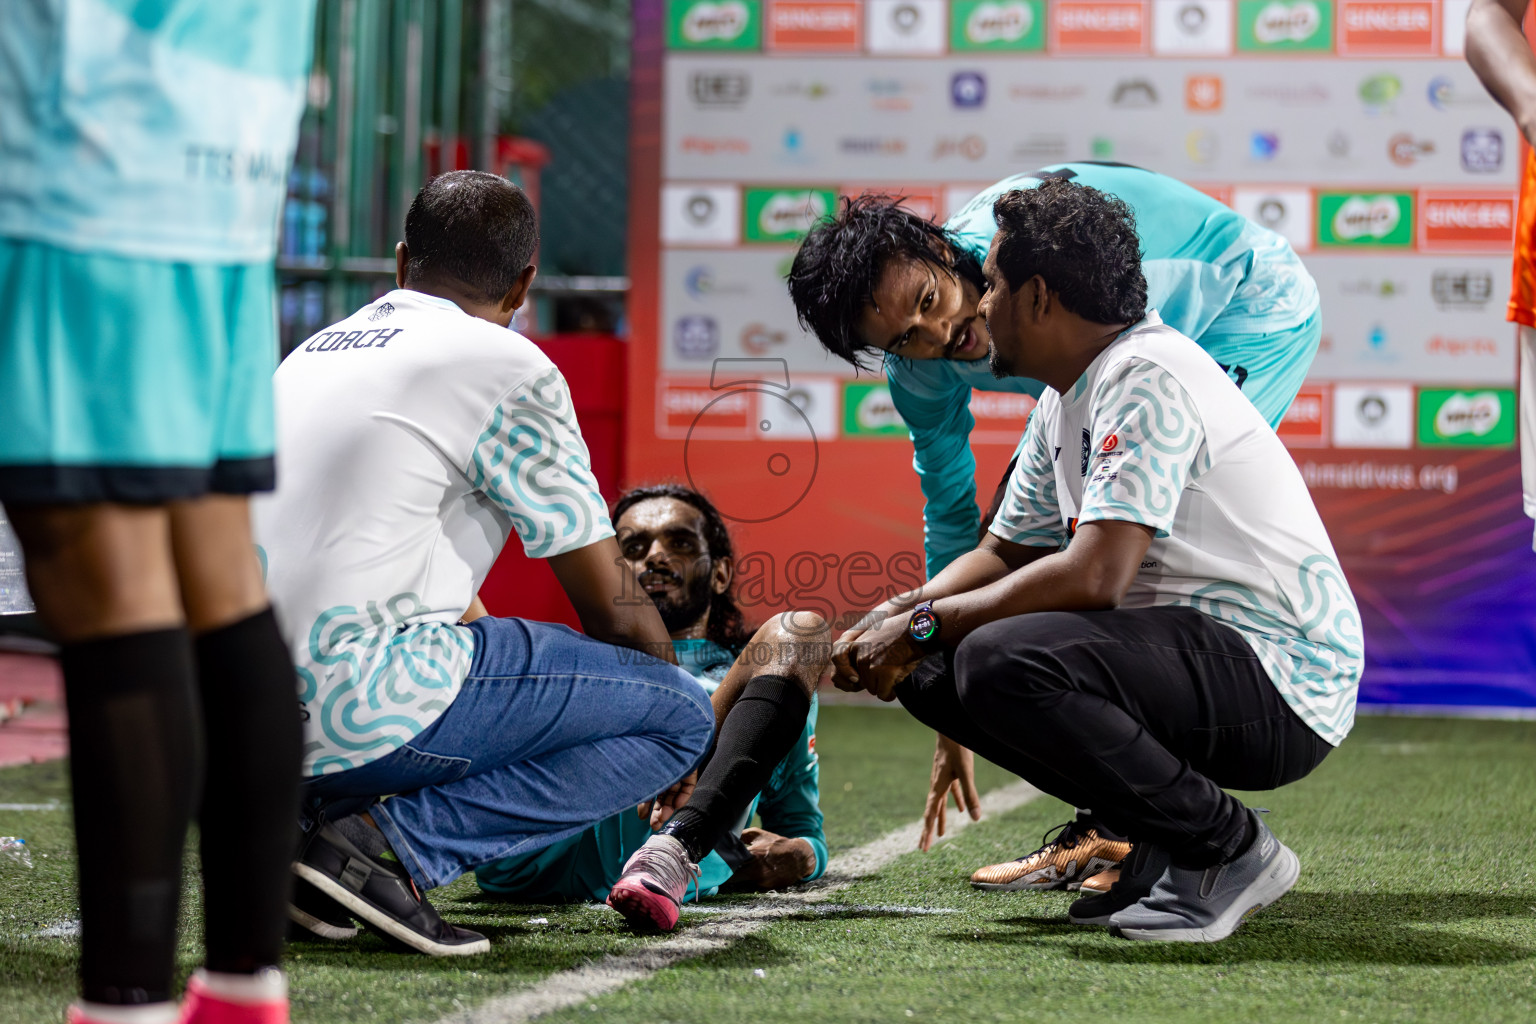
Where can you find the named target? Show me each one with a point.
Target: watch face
(924, 625)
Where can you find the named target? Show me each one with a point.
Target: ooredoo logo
(1109, 443)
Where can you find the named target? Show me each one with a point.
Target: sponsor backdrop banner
(1352, 127)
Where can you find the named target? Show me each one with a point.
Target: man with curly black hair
(878, 284)
(1156, 612)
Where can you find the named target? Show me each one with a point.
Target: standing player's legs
(135, 414)
(104, 581)
(249, 803)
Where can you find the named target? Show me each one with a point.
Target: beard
(682, 612)
(999, 367)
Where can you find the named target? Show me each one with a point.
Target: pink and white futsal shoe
(261, 998)
(654, 884)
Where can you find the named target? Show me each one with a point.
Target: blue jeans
(551, 732)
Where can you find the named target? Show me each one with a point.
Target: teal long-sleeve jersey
(585, 866)
(1236, 288)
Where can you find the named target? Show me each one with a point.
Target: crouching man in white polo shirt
(417, 436)
(1157, 611)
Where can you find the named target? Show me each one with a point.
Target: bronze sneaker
(1077, 852)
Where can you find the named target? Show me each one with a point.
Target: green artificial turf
(1417, 902)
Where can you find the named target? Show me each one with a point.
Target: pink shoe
(654, 884)
(260, 999)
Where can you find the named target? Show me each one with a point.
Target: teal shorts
(133, 380)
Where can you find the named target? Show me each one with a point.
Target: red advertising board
(1452, 221)
(1099, 26)
(814, 25)
(1408, 28)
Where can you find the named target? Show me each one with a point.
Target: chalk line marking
(719, 931)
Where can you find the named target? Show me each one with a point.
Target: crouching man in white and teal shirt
(419, 436)
(1156, 612)
(680, 550)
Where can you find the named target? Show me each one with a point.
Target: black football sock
(250, 803)
(758, 732)
(134, 761)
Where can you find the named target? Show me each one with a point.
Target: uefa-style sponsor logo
(714, 24)
(1263, 146)
(1285, 210)
(1372, 416)
(1282, 25)
(1192, 28)
(700, 214)
(1098, 26)
(997, 25)
(905, 26)
(696, 337)
(1389, 28)
(1466, 221)
(1452, 418)
(1369, 220)
(1482, 150)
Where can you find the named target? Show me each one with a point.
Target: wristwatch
(923, 627)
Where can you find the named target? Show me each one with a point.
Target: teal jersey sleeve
(936, 406)
(1208, 268)
(791, 805)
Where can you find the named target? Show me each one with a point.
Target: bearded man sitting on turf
(679, 549)
(1157, 611)
(879, 279)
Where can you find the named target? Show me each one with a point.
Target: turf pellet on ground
(1417, 902)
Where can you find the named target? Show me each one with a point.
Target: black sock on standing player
(135, 755)
(757, 734)
(249, 812)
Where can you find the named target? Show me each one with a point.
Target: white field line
(719, 931)
(52, 805)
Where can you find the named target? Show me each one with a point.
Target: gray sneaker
(1138, 873)
(1206, 906)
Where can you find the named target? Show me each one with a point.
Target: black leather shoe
(383, 898)
(1143, 866)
